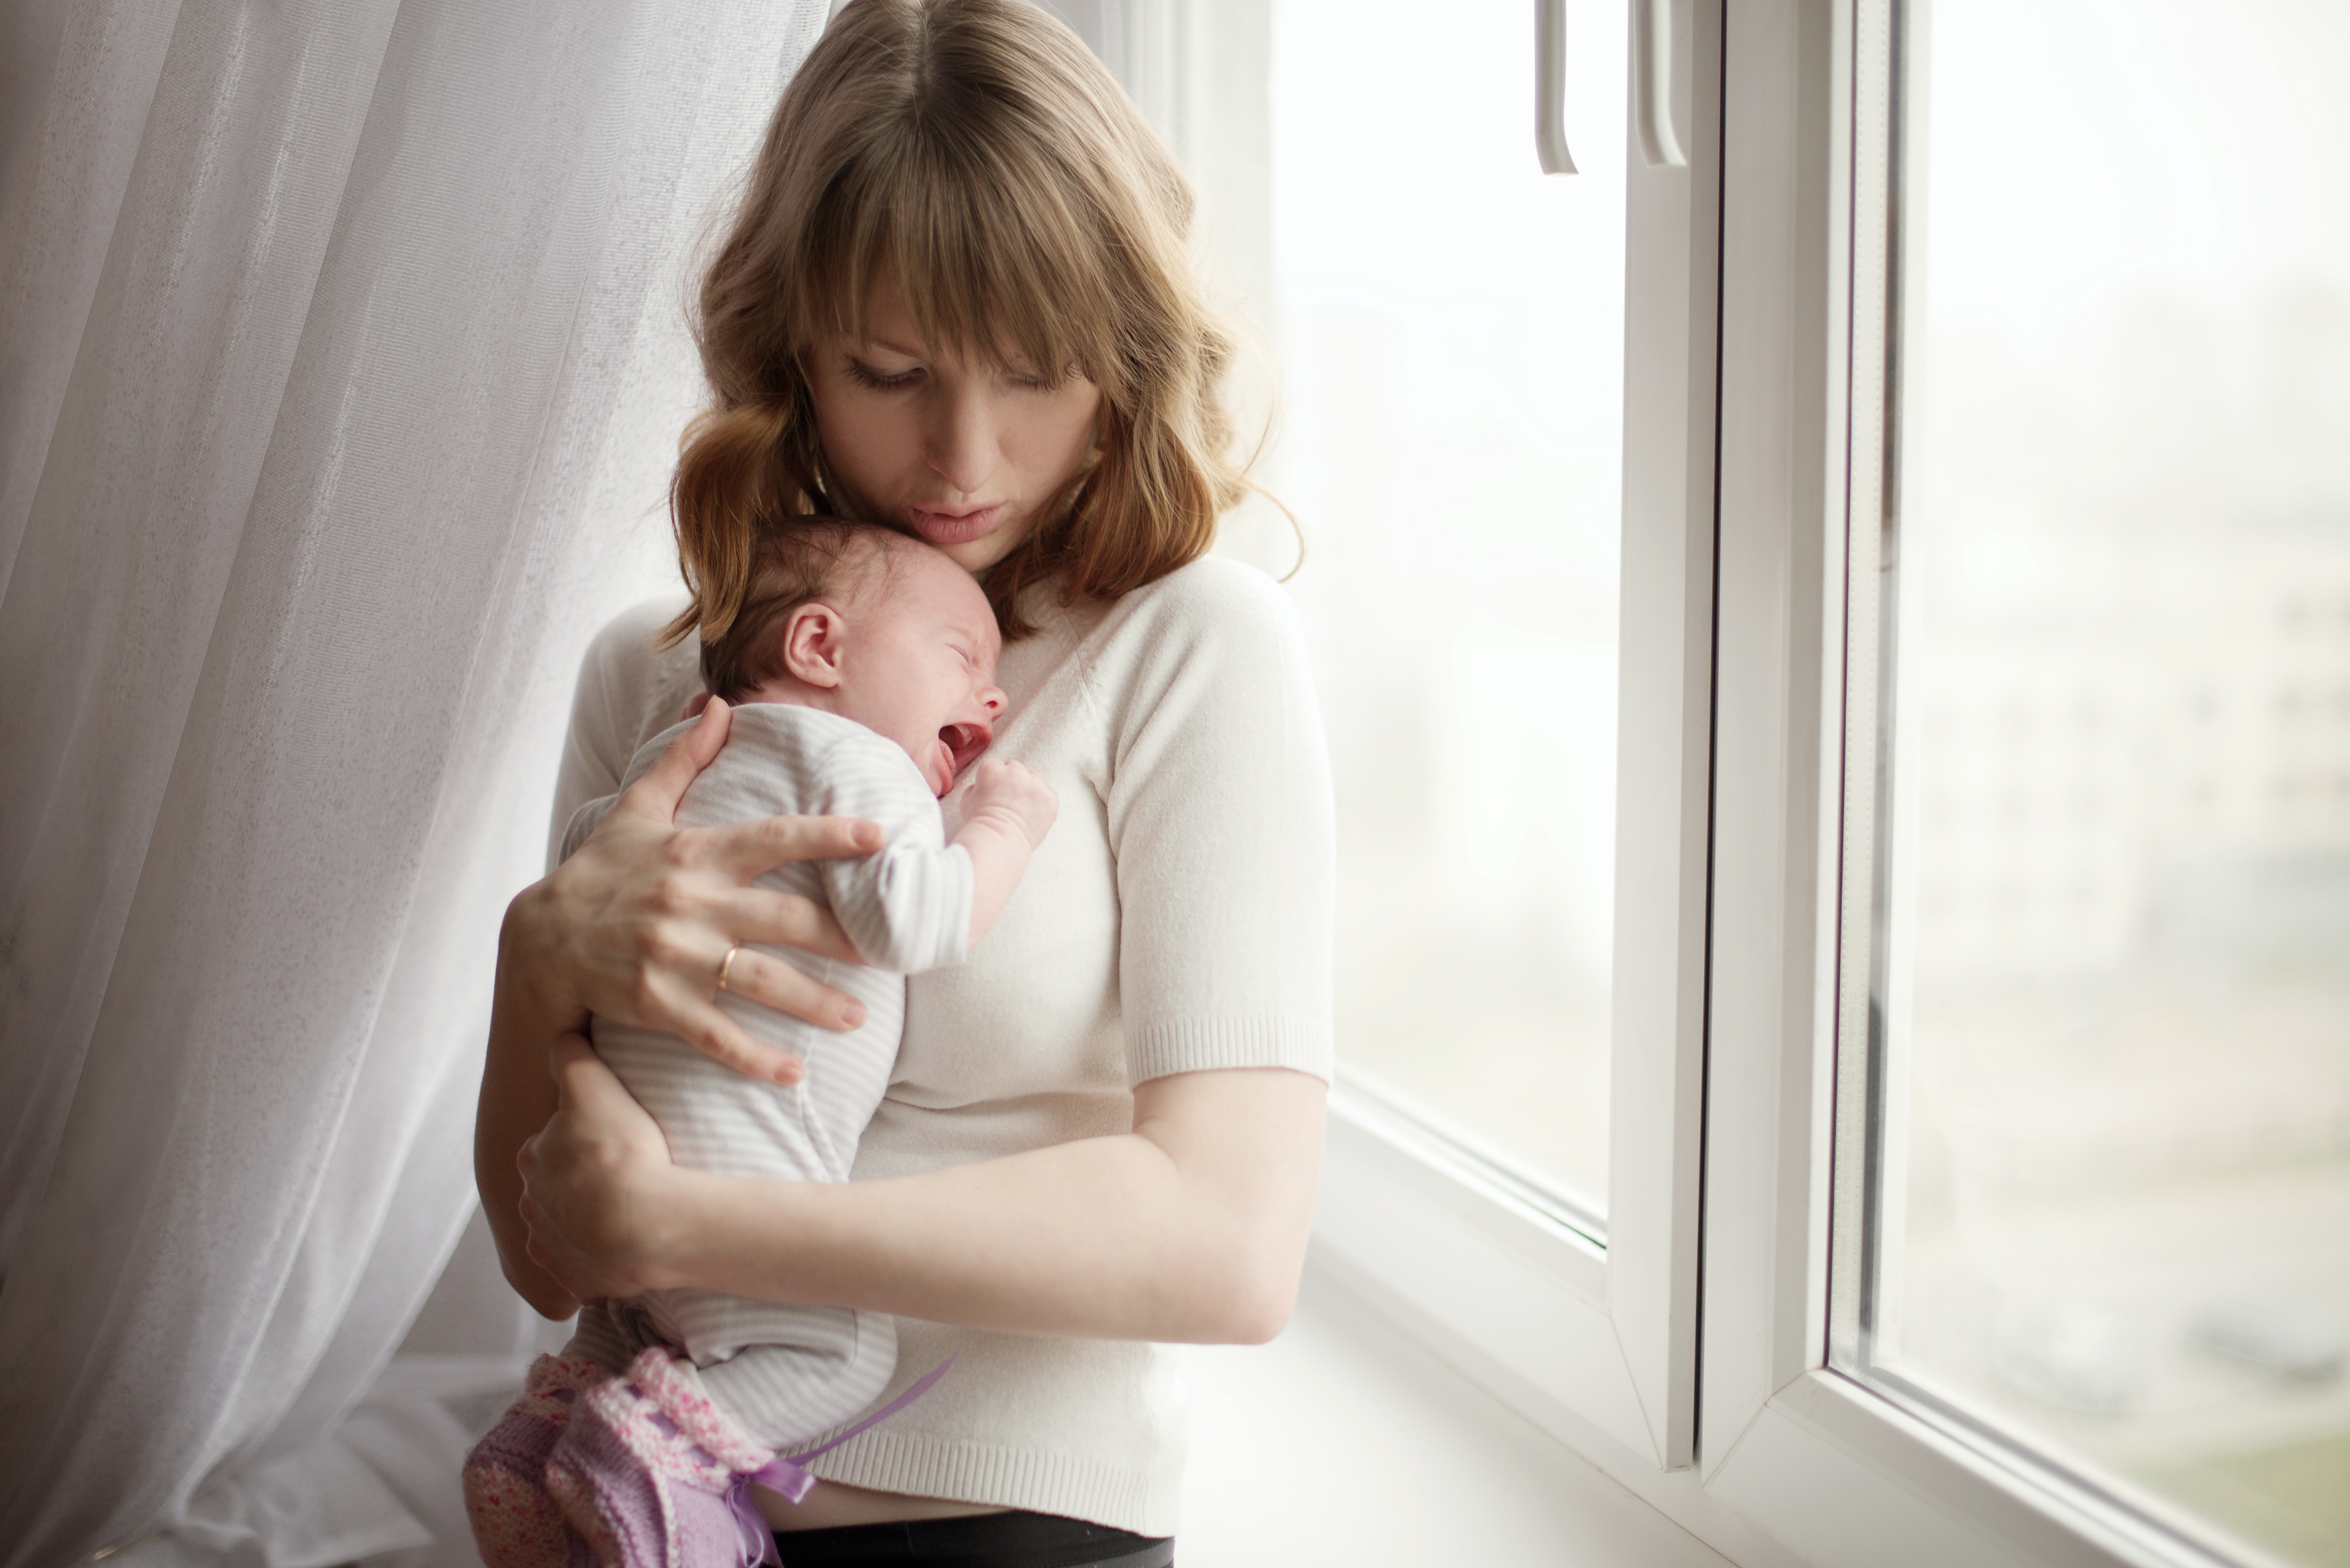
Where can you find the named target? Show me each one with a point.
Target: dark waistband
(978, 1541)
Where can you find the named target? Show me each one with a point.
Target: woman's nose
(962, 443)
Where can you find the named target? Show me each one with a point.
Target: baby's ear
(812, 635)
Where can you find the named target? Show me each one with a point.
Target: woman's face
(959, 452)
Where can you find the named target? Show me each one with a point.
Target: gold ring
(724, 964)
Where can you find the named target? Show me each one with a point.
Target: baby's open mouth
(963, 743)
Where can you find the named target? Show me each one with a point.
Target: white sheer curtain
(340, 368)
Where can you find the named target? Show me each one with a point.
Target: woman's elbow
(1260, 1316)
(545, 1297)
(1252, 1291)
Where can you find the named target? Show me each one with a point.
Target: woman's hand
(595, 1182)
(636, 925)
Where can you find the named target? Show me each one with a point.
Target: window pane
(2116, 1201)
(1448, 323)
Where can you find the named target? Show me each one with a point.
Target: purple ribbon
(785, 1474)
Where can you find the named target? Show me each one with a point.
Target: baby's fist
(1003, 788)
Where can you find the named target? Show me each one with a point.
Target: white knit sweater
(1176, 919)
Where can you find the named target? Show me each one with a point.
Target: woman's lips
(955, 527)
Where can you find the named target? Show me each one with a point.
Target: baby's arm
(922, 901)
(1006, 817)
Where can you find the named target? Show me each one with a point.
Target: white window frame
(1590, 1330)
(1840, 1472)
(1587, 1327)
(1758, 318)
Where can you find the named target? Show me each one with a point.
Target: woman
(957, 299)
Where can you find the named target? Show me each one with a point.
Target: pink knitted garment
(516, 1523)
(643, 1472)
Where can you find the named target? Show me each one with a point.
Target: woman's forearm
(1191, 1228)
(517, 1097)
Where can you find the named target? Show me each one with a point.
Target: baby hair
(807, 559)
(976, 153)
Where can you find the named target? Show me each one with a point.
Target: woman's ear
(812, 637)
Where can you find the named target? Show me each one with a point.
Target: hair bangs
(994, 257)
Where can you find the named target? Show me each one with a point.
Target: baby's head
(869, 624)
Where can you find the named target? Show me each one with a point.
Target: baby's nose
(991, 699)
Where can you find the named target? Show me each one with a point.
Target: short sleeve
(1220, 819)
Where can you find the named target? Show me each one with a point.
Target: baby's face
(917, 662)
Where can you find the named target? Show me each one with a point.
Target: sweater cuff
(1206, 1045)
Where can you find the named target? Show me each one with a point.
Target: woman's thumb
(663, 784)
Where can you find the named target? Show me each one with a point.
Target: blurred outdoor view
(2117, 1213)
(1448, 323)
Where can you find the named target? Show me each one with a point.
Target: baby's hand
(1010, 793)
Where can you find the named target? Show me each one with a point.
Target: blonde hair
(977, 153)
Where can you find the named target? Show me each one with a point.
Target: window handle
(1550, 87)
(1653, 82)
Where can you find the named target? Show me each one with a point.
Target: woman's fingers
(784, 920)
(746, 849)
(770, 981)
(725, 1042)
(638, 921)
(657, 793)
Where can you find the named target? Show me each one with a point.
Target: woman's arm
(634, 927)
(1191, 1228)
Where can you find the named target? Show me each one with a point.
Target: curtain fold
(342, 374)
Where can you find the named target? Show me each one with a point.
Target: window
(2107, 1212)
(1452, 439)
(1495, 427)
(1981, 769)
(1996, 1060)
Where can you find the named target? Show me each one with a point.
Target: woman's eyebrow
(884, 343)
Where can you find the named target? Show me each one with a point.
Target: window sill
(1346, 1442)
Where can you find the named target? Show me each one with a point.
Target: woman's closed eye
(865, 375)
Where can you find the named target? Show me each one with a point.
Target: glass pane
(1448, 323)
(2115, 1209)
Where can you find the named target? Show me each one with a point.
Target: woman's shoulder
(624, 646)
(630, 687)
(1213, 585)
(1214, 599)
(628, 690)
(1215, 637)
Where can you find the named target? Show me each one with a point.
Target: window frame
(1687, 1354)
(1589, 1330)
(1837, 1470)
(1595, 1338)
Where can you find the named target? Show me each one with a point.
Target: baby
(862, 663)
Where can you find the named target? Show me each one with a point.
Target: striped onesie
(786, 1373)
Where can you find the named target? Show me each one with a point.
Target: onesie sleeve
(1220, 820)
(908, 905)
